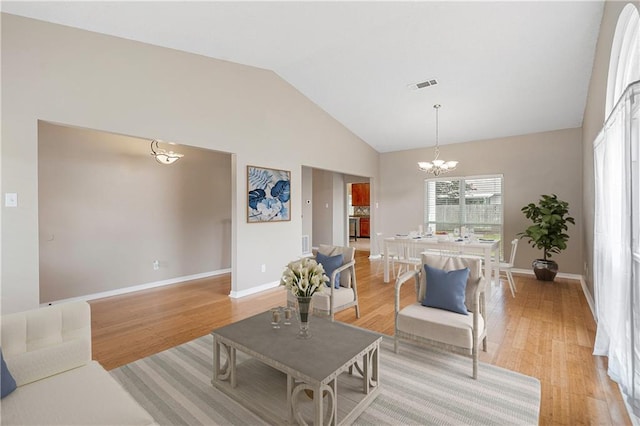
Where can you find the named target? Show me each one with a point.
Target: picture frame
(268, 195)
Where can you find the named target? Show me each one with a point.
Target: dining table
(488, 248)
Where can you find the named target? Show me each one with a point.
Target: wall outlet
(263, 268)
(156, 265)
(11, 199)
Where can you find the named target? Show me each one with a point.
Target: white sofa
(48, 353)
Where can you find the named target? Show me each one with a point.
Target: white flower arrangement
(304, 277)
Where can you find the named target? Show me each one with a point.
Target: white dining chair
(506, 267)
(409, 255)
(391, 252)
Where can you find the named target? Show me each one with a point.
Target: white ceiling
(504, 68)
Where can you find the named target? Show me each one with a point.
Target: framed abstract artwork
(269, 195)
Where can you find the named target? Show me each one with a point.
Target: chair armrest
(345, 266)
(480, 289)
(479, 305)
(403, 278)
(350, 264)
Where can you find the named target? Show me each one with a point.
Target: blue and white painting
(269, 195)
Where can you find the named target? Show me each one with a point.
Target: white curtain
(616, 281)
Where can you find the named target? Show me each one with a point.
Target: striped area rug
(419, 387)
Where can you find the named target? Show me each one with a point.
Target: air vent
(305, 244)
(422, 85)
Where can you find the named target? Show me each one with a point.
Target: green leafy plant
(550, 217)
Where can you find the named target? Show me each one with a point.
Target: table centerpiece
(303, 278)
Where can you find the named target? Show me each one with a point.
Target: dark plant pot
(545, 270)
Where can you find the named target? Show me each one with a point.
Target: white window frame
(429, 220)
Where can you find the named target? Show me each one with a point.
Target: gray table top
(331, 345)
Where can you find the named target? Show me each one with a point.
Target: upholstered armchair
(459, 327)
(340, 265)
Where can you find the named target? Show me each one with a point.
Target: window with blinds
(475, 203)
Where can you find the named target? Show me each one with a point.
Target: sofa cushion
(86, 395)
(330, 264)
(443, 326)
(446, 289)
(341, 296)
(41, 363)
(7, 382)
(45, 327)
(449, 263)
(348, 254)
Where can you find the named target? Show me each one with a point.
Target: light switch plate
(10, 199)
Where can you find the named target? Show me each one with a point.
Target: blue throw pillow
(7, 382)
(446, 289)
(330, 264)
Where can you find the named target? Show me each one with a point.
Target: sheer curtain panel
(615, 265)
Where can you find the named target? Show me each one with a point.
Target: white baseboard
(146, 286)
(253, 290)
(560, 274)
(590, 301)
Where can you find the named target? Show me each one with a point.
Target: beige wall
(322, 207)
(531, 165)
(307, 208)
(70, 76)
(594, 117)
(107, 210)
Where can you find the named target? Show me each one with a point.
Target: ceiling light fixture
(437, 166)
(162, 156)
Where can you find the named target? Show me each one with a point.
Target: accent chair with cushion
(450, 308)
(339, 265)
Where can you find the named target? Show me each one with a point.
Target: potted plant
(550, 217)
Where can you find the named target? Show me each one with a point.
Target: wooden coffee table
(314, 366)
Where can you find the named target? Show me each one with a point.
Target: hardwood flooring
(547, 332)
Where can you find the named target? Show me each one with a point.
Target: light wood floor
(546, 332)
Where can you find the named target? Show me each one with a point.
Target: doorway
(359, 214)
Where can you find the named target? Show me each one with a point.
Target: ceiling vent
(422, 85)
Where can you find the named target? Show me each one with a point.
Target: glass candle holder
(288, 313)
(276, 316)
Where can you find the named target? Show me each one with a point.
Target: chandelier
(437, 166)
(162, 156)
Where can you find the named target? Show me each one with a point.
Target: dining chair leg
(512, 283)
(393, 266)
(507, 275)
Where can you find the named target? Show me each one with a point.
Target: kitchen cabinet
(360, 194)
(364, 227)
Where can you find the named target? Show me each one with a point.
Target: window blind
(475, 203)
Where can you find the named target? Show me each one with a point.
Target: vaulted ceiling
(502, 68)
